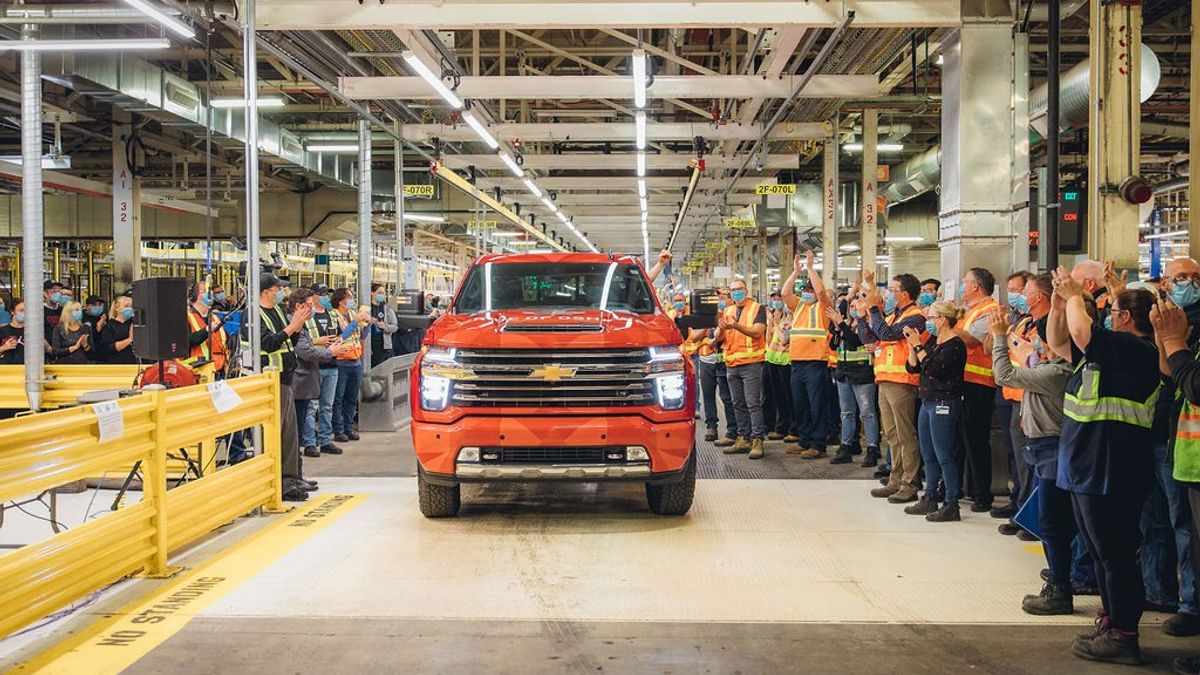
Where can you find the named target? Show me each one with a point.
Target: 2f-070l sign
(774, 189)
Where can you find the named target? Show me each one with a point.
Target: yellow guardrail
(44, 450)
(64, 383)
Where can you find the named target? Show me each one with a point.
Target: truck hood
(564, 329)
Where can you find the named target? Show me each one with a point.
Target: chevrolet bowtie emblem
(553, 373)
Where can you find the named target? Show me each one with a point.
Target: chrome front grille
(562, 378)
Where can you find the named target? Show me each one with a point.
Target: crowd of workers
(1093, 382)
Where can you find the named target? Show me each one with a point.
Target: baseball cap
(319, 288)
(268, 280)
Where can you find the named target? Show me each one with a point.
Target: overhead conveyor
(452, 178)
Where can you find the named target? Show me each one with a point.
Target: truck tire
(674, 499)
(437, 501)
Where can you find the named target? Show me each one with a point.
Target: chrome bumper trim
(551, 471)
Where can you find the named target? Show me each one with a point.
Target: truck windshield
(500, 286)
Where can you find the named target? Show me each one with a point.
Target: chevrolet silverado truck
(554, 367)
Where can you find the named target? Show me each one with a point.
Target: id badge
(941, 410)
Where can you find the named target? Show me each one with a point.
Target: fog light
(435, 392)
(636, 453)
(468, 455)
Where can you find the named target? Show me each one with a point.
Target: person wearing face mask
(678, 307)
(12, 336)
(979, 388)
(5, 315)
(939, 360)
(808, 346)
(52, 302)
(383, 325)
(352, 326)
(220, 298)
(1105, 457)
(115, 343)
(207, 337)
(276, 344)
(324, 324)
(1008, 403)
(713, 379)
(70, 341)
(777, 404)
(858, 395)
(884, 328)
(929, 292)
(742, 329)
(93, 314)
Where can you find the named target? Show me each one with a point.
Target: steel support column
(1194, 140)
(869, 221)
(1114, 130)
(126, 204)
(365, 247)
(250, 93)
(32, 217)
(829, 208)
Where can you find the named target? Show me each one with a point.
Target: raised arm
(788, 292)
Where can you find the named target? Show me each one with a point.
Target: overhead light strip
(84, 45)
(480, 130)
(169, 22)
(434, 81)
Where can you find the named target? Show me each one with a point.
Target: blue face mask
(1108, 321)
(807, 297)
(962, 289)
(738, 296)
(926, 299)
(326, 302)
(1018, 303)
(379, 298)
(930, 327)
(280, 296)
(77, 316)
(219, 296)
(58, 298)
(127, 313)
(889, 303)
(1185, 294)
(777, 304)
(96, 311)
(678, 305)
(19, 317)
(5, 317)
(854, 314)
(721, 304)
(206, 299)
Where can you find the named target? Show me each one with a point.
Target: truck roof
(557, 258)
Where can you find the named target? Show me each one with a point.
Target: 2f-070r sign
(773, 189)
(418, 190)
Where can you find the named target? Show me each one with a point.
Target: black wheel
(437, 501)
(674, 499)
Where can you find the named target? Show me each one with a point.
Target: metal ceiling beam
(618, 183)
(618, 131)
(571, 87)
(275, 15)
(617, 162)
(651, 49)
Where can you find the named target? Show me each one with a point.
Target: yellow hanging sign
(418, 191)
(740, 223)
(775, 189)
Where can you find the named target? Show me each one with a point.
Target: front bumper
(669, 445)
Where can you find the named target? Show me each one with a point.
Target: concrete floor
(803, 572)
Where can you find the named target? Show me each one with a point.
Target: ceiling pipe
(1040, 13)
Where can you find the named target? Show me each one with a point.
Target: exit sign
(1072, 222)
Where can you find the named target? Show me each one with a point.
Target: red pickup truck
(554, 367)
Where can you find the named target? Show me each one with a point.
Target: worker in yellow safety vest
(777, 403)
(979, 386)
(743, 331)
(808, 346)
(206, 337)
(713, 379)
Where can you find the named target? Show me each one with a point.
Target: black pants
(978, 403)
(1110, 526)
(777, 407)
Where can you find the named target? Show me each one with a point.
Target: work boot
(855, 449)
(352, 435)
(872, 457)
(1003, 512)
(813, 453)
(1182, 625)
(905, 494)
(756, 449)
(797, 450)
(882, 472)
(312, 451)
(1101, 626)
(774, 436)
(1009, 529)
(1186, 665)
(724, 442)
(1026, 535)
(1111, 646)
(296, 494)
(742, 445)
(947, 514)
(331, 449)
(885, 491)
(1052, 601)
(791, 438)
(710, 434)
(341, 438)
(845, 455)
(925, 506)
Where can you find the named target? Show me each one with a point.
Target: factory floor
(781, 566)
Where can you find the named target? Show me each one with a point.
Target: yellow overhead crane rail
(441, 171)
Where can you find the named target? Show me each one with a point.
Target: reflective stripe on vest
(275, 358)
(891, 356)
(751, 350)
(807, 340)
(777, 350)
(1087, 405)
(979, 362)
(1187, 440)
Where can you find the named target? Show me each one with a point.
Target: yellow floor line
(119, 640)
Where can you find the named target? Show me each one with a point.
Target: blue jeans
(321, 415)
(1166, 528)
(937, 427)
(345, 401)
(859, 401)
(810, 394)
(304, 420)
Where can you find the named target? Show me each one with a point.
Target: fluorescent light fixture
(532, 187)
(512, 165)
(507, 234)
(641, 163)
(901, 240)
(434, 81)
(879, 147)
(639, 121)
(332, 148)
(638, 68)
(1168, 235)
(419, 218)
(642, 188)
(262, 102)
(642, 201)
(941, 59)
(848, 247)
(566, 221)
(84, 45)
(549, 204)
(481, 130)
(169, 22)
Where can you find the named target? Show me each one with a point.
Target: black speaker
(160, 327)
(410, 302)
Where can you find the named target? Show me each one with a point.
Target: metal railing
(387, 409)
(45, 450)
(64, 383)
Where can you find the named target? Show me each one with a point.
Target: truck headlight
(665, 359)
(441, 356)
(671, 391)
(435, 392)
